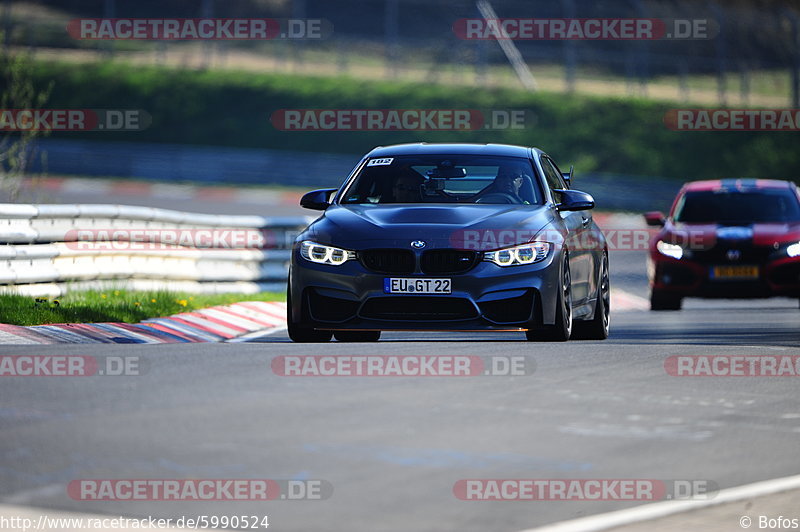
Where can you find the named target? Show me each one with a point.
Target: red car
(730, 238)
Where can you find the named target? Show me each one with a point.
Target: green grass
(232, 108)
(113, 305)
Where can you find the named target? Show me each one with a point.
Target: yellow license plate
(734, 272)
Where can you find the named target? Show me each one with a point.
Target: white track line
(656, 510)
(257, 334)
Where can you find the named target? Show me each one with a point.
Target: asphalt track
(393, 448)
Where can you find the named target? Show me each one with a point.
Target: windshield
(762, 206)
(445, 179)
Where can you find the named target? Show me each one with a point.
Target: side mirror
(574, 200)
(568, 175)
(654, 218)
(317, 200)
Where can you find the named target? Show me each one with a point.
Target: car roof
(455, 148)
(734, 185)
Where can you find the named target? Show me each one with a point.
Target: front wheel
(562, 329)
(597, 328)
(663, 301)
(357, 336)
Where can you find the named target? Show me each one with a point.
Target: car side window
(553, 177)
(559, 174)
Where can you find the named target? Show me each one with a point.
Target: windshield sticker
(380, 162)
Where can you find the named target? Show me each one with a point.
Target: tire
(562, 329)
(357, 336)
(597, 328)
(300, 333)
(661, 301)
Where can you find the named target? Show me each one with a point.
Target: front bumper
(487, 297)
(686, 278)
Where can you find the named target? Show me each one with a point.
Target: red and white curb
(238, 322)
(215, 324)
(145, 189)
(622, 301)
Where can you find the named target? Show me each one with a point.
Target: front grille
(418, 308)
(388, 260)
(717, 255)
(441, 261)
(511, 310)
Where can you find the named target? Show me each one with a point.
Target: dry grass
(768, 88)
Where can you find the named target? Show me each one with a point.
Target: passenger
(408, 188)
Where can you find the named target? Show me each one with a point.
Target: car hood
(704, 236)
(439, 226)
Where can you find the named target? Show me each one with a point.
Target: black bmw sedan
(450, 237)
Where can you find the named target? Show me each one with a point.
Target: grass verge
(233, 108)
(113, 305)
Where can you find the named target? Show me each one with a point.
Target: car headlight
(793, 250)
(322, 254)
(524, 254)
(670, 250)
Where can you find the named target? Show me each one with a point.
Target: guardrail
(47, 250)
(174, 163)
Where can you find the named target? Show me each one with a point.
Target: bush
(227, 108)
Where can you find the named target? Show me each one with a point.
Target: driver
(507, 182)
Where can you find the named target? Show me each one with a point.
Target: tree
(18, 148)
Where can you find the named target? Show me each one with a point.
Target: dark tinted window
(745, 207)
(554, 178)
(445, 179)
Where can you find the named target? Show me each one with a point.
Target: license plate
(400, 285)
(734, 272)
